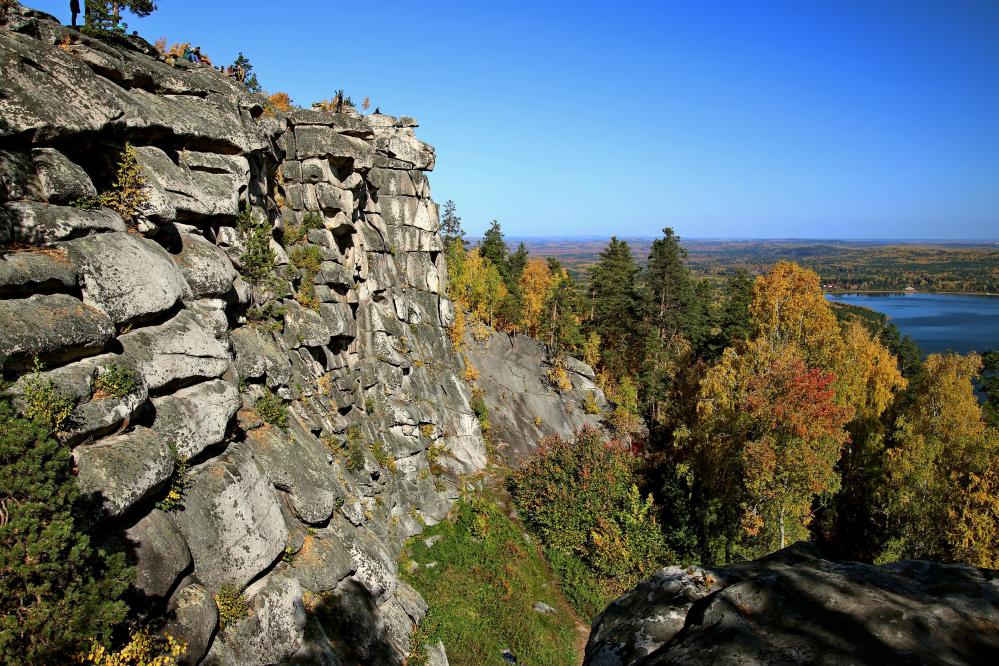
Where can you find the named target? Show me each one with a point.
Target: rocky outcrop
(524, 404)
(795, 607)
(370, 424)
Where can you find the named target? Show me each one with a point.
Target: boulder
(257, 355)
(302, 466)
(34, 223)
(159, 553)
(124, 469)
(125, 276)
(56, 327)
(321, 141)
(179, 350)
(304, 327)
(48, 269)
(207, 269)
(231, 520)
(196, 417)
(794, 607)
(194, 618)
(61, 181)
(274, 628)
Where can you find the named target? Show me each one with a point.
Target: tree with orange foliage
(280, 101)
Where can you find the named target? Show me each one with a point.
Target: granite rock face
(353, 350)
(794, 607)
(524, 405)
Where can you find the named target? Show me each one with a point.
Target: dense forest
(748, 413)
(841, 265)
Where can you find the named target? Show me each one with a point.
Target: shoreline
(840, 292)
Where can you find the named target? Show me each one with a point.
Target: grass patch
(482, 591)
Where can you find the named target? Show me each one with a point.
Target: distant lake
(938, 322)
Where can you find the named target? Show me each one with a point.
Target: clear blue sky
(814, 118)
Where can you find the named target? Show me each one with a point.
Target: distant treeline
(841, 265)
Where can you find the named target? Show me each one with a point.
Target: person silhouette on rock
(74, 6)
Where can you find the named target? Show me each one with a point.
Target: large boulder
(231, 520)
(196, 417)
(61, 181)
(46, 270)
(207, 269)
(121, 471)
(56, 327)
(194, 618)
(794, 607)
(181, 349)
(274, 628)
(125, 276)
(159, 552)
(34, 223)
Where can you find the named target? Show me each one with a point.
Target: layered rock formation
(795, 607)
(307, 517)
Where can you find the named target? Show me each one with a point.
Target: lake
(938, 322)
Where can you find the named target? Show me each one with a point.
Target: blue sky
(848, 119)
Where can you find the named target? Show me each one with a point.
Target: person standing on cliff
(74, 6)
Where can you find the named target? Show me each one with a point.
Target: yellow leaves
(789, 308)
(143, 649)
(280, 101)
(127, 195)
(535, 284)
(867, 374)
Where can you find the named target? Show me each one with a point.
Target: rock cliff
(794, 607)
(316, 412)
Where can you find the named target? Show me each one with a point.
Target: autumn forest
(748, 413)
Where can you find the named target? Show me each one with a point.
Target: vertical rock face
(305, 515)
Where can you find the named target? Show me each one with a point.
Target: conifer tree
(451, 224)
(614, 306)
(57, 592)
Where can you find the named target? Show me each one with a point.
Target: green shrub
(258, 262)
(382, 457)
(232, 605)
(313, 220)
(272, 409)
(114, 382)
(42, 401)
(308, 258)
(580, 498)
(57, 592)
(355, 451)
(306, 294)
(294, 234)
(590, 405)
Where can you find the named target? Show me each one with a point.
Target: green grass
(482, 591)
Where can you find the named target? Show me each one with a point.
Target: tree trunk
(782, 527)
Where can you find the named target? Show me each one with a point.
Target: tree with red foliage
(796, 433)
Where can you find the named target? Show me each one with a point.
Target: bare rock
(34, 223)
(56, 327)
(123, 470)
(180, 349)
(126, 276)
(196, 417)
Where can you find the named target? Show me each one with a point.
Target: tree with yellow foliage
(535, 285)
(940, 495)
(788, 308)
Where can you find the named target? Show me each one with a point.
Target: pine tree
(106, 15)
(614, 304)
(451, 224)
(494, 248)
(57, 592)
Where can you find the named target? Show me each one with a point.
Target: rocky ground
(794, 607)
